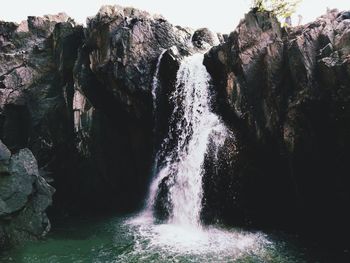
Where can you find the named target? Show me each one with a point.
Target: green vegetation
(281, 8)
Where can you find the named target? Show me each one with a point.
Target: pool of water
(138, 239)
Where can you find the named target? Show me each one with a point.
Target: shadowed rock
(80, 99)
(285, 92)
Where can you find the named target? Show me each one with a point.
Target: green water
(120, 239)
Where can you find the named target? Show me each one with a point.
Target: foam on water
(179, 240)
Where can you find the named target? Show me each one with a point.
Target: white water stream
(193, 126)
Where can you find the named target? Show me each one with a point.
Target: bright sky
(218, 15)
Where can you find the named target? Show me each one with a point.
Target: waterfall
(155, 81)
(192, 126)
(194, 131)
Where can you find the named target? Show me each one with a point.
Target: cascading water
(192, 125)
(155, 82)
(193, 131)
(179, 163)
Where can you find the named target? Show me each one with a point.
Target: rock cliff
(81, 100)
(286, 93)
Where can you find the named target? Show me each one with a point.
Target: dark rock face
(36, 90)
(285, 92)
(81, 100)
(124, 45)
(113, 104)
(24, 198)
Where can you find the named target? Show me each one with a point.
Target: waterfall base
(200, 243)
(137, 239)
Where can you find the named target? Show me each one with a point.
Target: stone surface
(124, 45)
(204, 38)
(285, 93)
(36, 90)
(5, 156)
(113, 104)
(24, 199)
(81, 100)
(5, 153)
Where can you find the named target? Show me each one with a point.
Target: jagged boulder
(242, 62)
(204, 38)
(24, 198)
(125, 44)
(44, 26)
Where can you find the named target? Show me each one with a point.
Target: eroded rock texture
(286, 93)
(81, 100)
(113, 103)
(36, 79)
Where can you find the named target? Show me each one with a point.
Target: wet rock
(162, 208)
(113, 107)
(168, 67)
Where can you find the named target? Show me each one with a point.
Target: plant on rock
(283, 9)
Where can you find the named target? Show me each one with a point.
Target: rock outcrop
(113, 99)
(81, 99)
(204, 38)
(124, 45)
(36, 90)
(24, 198)
(286, 94)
